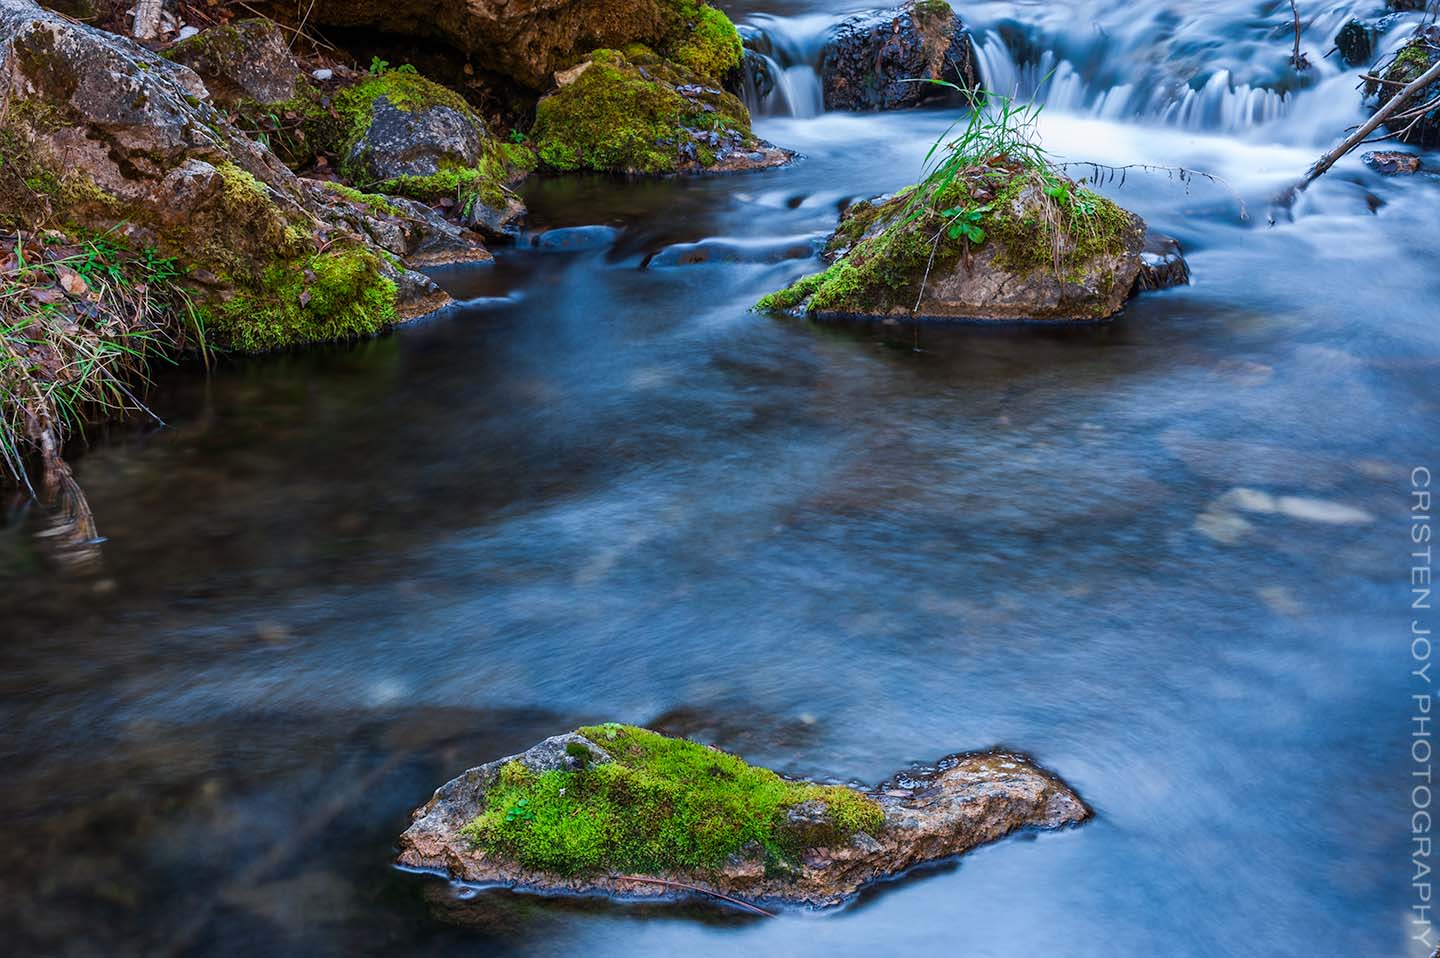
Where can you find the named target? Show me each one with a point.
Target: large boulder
(1015, 242)
(527, 41)
(631, 813)
(403, 134)
(879, 60)
(635, 112)
(101, 135)
(1419, 55)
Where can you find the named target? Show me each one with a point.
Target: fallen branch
(1370, 126)
(704, 891)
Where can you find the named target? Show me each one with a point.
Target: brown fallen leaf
(72, 282)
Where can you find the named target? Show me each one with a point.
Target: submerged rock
(635, 112)
(1162, 264)
(99, 134)
(879, 60)
(631, 813)
(995, 242)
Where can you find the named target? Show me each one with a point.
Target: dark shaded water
(1166, 556)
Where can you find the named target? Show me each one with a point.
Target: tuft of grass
(80, 319)
(663, 805)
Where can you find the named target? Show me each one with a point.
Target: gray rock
(415, 142)
(245, 60)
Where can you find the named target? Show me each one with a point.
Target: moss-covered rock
(99, 134)
(406, 135)
(630, 812)
(1412, 61)
(996, 242)
(635, 112)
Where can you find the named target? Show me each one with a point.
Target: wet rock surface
(1162, 264)
(931, 813)
(1392, 163)
(1071, 256)
(877, 61)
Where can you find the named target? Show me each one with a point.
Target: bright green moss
(610, 118)
(335, 295)
(704, 40)
(663, 805)
(623, 116)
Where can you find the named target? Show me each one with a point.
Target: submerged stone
(630, 813)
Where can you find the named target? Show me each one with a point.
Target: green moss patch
(625, 114)
(703, 40)
(662, 805)
(335, 295)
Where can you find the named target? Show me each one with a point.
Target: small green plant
(516, 136)
(378, 66)
(520, 812)
(965, 222)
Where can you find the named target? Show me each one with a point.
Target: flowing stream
(1167, 556)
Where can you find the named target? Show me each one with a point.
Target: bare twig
(1297, 58)
(704, 891)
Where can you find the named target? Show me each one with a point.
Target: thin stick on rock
(147, 19)
(704, 891)
(1370, 126)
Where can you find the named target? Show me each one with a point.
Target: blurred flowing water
(1167, 556)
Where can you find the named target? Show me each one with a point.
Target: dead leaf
(72, 282)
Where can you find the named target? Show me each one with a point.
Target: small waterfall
(1223, 70)
(782, 73)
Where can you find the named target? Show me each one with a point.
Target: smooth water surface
(1167, 556)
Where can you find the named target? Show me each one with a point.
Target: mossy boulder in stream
(625, 811)
(996, 242)
(406, 135)
(100, 135)
(635, 112)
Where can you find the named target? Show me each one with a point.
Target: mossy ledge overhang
(924, 815)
